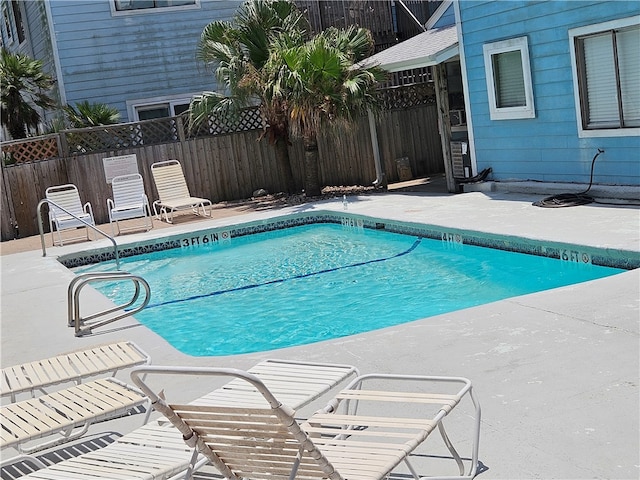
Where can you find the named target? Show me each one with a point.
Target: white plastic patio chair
(129, 201)
(173, 191)
(66, 211)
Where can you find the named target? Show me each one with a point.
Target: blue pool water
(315, 282)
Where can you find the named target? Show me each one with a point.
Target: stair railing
(85, 325)
(93, 227)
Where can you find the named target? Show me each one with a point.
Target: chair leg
(155, 211)
(149, 217)
(54, 231)
(451, 448)
(60, 242)
(166, 215)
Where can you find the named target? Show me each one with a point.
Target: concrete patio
(556, 372)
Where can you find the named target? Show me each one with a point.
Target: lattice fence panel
(27, 150)
(249, 119)
(102, 139)
(408, 77)
(129, 135)
(394, 98)
(169, 130)
(160, 130)
(408, 96)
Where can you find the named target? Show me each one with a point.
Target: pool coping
(580, 254)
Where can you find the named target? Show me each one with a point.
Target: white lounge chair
(339, 442)
(70, 367)
(71, 215)
(129, 201)
(173, 192)
(157, 450)
(151, 452)
(65, 411)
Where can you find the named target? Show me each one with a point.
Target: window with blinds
(606, 60)
(610, 74)
(509, 79)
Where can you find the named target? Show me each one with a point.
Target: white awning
(424, 50)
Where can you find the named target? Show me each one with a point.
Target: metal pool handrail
(73, 300)
(94, 228)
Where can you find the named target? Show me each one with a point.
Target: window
(606, 64)
(509, 79)
(12, 22)
(161, 110)
(7, 24)
(148, 113)
(17, 17)
(163, 128)
(126, 5)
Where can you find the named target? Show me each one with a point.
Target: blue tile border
(627, 260)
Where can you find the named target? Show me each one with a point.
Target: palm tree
(87, 114)
(23, 85)
(241, 52)
(325, 88)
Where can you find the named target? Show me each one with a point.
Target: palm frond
(23, 83)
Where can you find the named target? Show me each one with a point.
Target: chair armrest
(351, 402)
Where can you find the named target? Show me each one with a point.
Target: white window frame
(511, 45)
(588, 30)
(150, 103)
(116, 13)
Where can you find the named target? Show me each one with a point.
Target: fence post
(7, 202)
(180, 128)
(63, 146)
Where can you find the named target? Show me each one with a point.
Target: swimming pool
(223, 294)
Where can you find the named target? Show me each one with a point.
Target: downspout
(380, 181)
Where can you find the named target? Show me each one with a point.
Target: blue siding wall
(35, 21)
(547, 147)
(114, 58)
(447, 18)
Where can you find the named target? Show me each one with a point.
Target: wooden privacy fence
(218, 165)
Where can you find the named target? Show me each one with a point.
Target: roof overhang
(426, 49)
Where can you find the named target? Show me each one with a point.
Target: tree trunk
(311, 171)
(282, 157)
(278, 135)
(17, 130)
